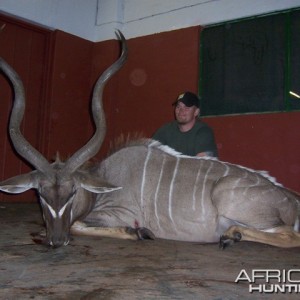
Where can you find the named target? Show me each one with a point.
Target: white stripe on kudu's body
(145, 189)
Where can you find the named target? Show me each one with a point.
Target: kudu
(147, 190)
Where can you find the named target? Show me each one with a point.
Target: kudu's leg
(266, 212)
(128, 233)
(282, 236)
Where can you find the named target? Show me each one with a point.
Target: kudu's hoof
(226, 240)
(39, 237)
(145, 234)
(142, 233)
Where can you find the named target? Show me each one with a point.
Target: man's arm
(206, 142)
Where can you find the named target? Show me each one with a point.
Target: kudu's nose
(56, 242)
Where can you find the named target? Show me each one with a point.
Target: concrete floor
(103, 268)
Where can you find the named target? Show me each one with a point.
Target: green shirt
(198, 139)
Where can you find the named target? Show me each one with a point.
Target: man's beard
(181, 121)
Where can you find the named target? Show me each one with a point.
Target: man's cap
(188, 99)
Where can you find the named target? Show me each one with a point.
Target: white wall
(74, 16)
(96, 20)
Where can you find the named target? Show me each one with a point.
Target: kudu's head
(58, 184)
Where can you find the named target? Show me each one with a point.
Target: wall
(159, 67)
(95, 20)
(69, 123)
(27, 48)
(268, 142)
(163, 65)
(55, 68)
(138, 98)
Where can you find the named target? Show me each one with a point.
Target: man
(187, 134)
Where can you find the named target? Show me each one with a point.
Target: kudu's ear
(18, 184)
(96, 185)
